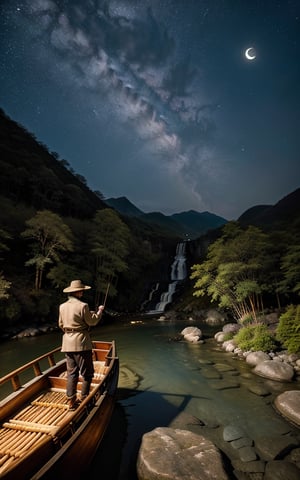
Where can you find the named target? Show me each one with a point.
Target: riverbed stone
(220, 337)
(231, 328)
(224, 384)
(288, 404)
(242, 442)
(281, 372)
(224, 367)
(192, 334)
(294, 456)
(281, 470)
(128, 379)
(275, 447)
(210, 373)
(258, 389)
(178, 455)
(28, 332)
(256, 466)
(232, 432)
(247, 454)
(215, 317)
(254, 358)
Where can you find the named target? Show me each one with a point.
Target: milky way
(155, 100)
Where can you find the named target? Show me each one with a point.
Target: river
(162, 380)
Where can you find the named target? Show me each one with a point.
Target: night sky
(155, 100)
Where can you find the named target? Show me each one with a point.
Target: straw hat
(76, 286)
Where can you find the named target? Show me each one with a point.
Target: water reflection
(167, 383)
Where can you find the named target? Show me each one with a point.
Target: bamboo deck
(44, 422)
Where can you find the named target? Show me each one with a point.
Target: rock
(193, 338)
(178, 455)
(231, 328)
(230, 346)
(213, 317)
(28, 332)
(224, 384)
(288, 404)
(281, 470)
(272, 448)
(220, 337)
(254, 358)
(281, 372)
(259, 390)
(224, 367)
(192, 334)
(232, 432)
(242, 442)
(210, 373)
(256, 466)
(247, 454)
(294, 457)
(128, 378)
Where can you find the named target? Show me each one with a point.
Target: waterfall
(178, 274)
(153, 290)
(178, 268)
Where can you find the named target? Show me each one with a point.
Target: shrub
(255, 337)
(228, 336)
(247, 319)
(288, 330)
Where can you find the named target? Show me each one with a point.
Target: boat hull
(40, 438)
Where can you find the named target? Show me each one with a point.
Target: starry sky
(155, 100)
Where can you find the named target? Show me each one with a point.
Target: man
(75, 318)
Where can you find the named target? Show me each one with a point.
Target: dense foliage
(55, 229)
(247, 270)
(243, 267)
(255, 337)
(288, 330)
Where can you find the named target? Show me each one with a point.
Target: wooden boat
(40, 437)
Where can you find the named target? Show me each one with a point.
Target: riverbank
(176, 384)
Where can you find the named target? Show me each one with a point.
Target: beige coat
(75, 319)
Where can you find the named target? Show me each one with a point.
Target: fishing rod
(106, 293)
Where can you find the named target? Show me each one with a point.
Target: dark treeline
(55, 229)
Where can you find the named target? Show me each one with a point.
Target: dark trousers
(79, 363)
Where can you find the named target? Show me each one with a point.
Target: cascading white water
(152, 292)
(178, 268)
(178, 273)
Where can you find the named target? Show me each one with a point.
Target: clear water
(167, 379)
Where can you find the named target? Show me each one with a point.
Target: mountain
(190, 224)
(285, 211)
(124, 206)
(32, 175)
(196, 223)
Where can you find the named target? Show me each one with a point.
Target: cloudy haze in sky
(155, 100)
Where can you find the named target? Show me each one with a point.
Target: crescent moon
(248, 53)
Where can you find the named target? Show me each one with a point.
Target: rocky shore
(193, 448)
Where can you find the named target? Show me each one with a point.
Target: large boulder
(192, 334)
(178, 455)
(278, 371)
(254, 358)
(281, 470)
(214, 317)
(288, 404)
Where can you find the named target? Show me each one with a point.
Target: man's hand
(100, 309)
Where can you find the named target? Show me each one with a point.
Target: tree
(50, 236)
(290, 266)
(4, 284)
(109, 240)
(233, 272)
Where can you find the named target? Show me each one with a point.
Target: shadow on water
(167, 383)
(115, 459)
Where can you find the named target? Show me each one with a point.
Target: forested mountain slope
(30, 174)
